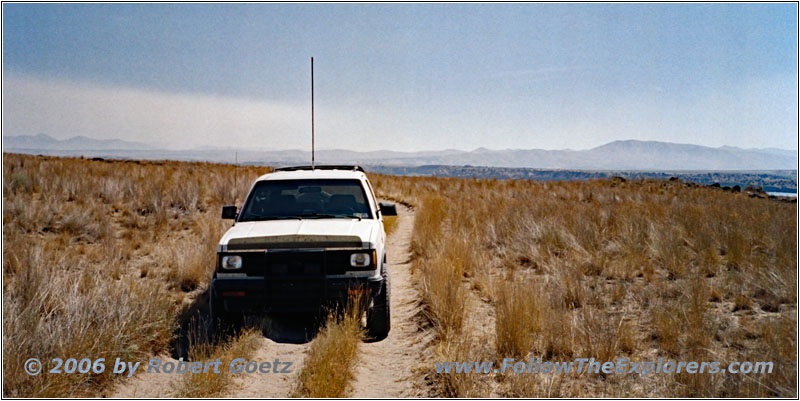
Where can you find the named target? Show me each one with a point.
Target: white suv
(305, 239)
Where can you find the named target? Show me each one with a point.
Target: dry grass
(329, 365)
(210, 384)
(605, 269)
(518, 315)
(465, 347)
(100, 257)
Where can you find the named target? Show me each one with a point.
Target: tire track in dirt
(287, 339)
(386, 368)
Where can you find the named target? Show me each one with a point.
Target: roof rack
(328, 167)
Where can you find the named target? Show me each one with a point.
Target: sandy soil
(285, 339)
(148, 385)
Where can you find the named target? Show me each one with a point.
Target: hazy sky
(404, 76)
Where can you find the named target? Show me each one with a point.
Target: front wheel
(379, 316)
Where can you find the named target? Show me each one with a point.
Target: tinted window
(306, 199)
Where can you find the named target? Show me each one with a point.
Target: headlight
(232, 262)
(360, 260)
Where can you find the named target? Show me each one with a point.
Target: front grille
(295, 279)
(295, 264)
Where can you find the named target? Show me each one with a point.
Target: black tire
(379, 316)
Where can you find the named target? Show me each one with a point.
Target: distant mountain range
(783, 181)
(48, 143)
(617, 155)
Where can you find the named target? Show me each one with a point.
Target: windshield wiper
(262, 218)
(330, 216)
(317, 216)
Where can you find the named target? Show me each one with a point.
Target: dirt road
(384, 369)
(285, 340)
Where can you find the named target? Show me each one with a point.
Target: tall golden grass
(607, 269)
(329, 365)
(101, 257)
(201, 348)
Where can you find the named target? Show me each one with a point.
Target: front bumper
(290, 294)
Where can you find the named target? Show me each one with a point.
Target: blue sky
(404, 76)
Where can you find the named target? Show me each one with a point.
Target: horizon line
(169, 148)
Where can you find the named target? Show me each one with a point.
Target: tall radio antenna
(312, 113)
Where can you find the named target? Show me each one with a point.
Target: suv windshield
(290, 199)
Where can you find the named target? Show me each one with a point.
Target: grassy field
(100, 259)
(103, 258)
(605, 269)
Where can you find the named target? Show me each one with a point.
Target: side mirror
(229, 212)
(388, 209)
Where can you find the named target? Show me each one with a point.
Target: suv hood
(309, 233)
